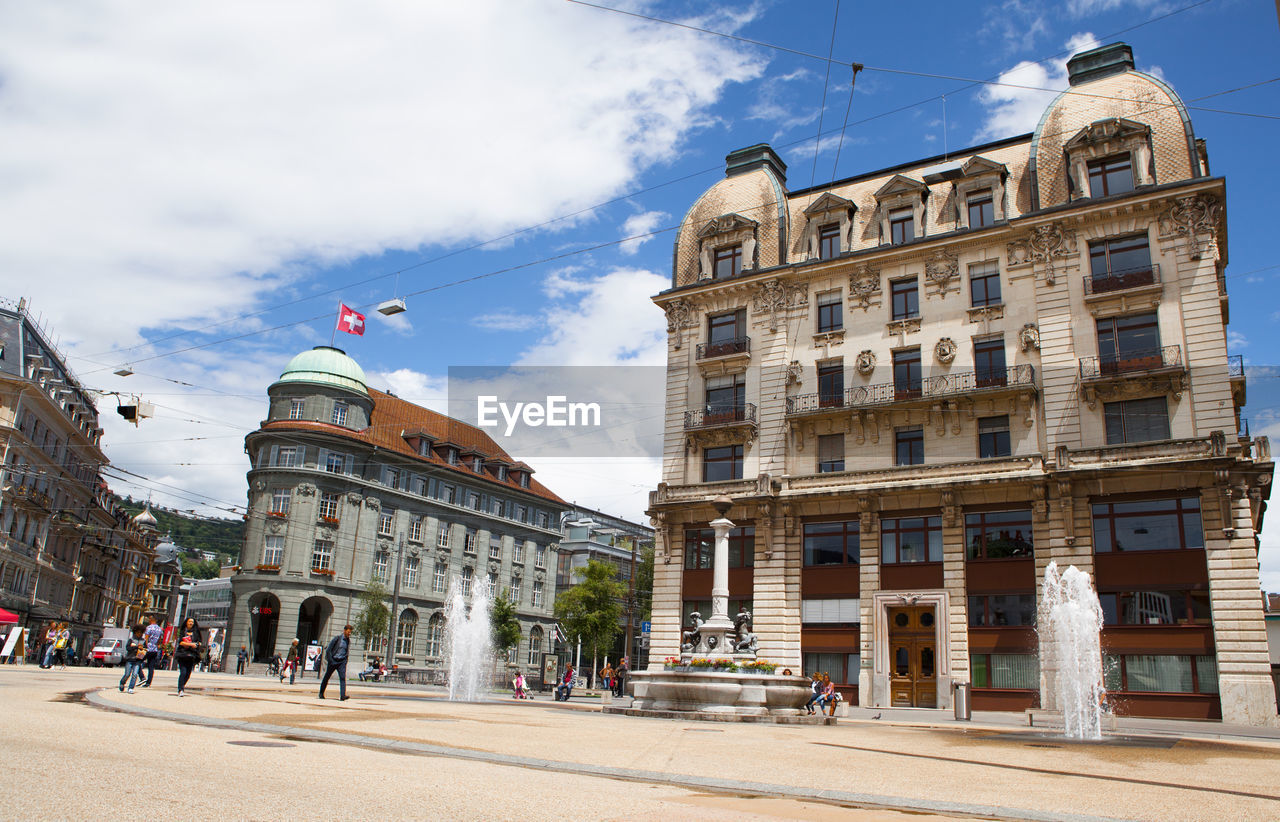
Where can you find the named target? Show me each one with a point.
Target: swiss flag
(350, 321)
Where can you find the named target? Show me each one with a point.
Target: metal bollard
(960, 699)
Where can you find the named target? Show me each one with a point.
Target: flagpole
(333, 337)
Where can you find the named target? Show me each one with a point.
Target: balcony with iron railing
(1137, 361)
(927, 389)
(1121, 279)
(1235, 366)
(720, 416)
(736, 347)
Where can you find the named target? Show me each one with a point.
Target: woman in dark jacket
(187, 653)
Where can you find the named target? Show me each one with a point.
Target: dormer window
(829, 220)
(339, 413)
(1109, 157)
(902, 226)
(477, 464)
(728, 247)
(979, 190)
(1111, 175)
(901, 205)
(980, 209)
(828, 241)
(728, 262)
(296, 408)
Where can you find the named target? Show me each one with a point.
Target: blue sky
(186, 189)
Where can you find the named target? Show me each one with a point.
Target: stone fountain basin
(751, 694)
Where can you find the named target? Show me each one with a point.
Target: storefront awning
(7, 617)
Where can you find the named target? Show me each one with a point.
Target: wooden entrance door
(913, 657)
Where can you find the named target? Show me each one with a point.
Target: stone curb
(730, 786)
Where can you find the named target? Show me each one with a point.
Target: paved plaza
(249, 747)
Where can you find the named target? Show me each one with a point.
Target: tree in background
(591, 610)
(208, 569)
(374, 616)
(504, 628)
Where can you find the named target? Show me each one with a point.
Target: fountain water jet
(468, 644)
(1071, 649)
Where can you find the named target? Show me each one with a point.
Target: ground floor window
(1161, 673)
(1017, 671)
(404, 633)
(435, 634)
(842, 668)
(996, 610)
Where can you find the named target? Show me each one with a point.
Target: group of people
(143, 649)
(615, 679)
(825, 696)
(56, 648)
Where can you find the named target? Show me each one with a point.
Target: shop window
(1147, 525)
(831, 543)
(1002, 610)
(998, 534)
(911, 539)
(700, 548)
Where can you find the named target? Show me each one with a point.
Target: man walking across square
(335, 657)
(242, 658)
(151, 638)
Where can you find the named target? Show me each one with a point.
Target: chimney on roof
(758, 156)
(1103, 61)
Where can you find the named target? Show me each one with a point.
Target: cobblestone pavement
(249, 747)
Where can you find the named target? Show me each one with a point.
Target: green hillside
(193, 533)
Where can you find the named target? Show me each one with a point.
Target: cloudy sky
(192, 188)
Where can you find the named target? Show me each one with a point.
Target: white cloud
(413, 386)
(201, 156)
(610, 320)
(637, 225)
(1236, 341)
(1016, 108)
(506, 321)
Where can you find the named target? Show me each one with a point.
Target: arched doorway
(264, 617)
(313, 618)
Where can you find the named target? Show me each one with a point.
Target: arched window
(405, 631)
(435, 635)
(535, 645)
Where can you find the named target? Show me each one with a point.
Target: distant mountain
(194, 533)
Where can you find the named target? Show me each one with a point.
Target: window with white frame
(391, 477)
(273, 550)
(473, 501)
(518, 556)
(287, 456)
(495, 507)
(448, 493)
(296, 409)
(542, 519)
(440, 579)
(535, 645)
(335, 463)
(537, 594)
(415, 529)
(386, 523)
(442, 535)
(339, 413)
(410, 576)
(491, 586)
(329, 505)
(468, 575)
(280, 498)
(404, 633)
(469, 544)
(514, 591)
(495, 546)
(540, 557)
(322, 555)
(380, 562)
(435, 635)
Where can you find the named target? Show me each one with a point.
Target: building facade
(68, 551)
(590, 534)
(348, 484)
(922, 385)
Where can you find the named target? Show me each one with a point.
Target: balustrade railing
(938, 385)
(724, 348)
(1235, 365)
(711, 416)
(1121, 279)
(1128, 362)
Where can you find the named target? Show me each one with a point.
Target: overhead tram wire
(822, 107)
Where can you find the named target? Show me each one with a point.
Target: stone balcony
(922, 393)
(1133, 373)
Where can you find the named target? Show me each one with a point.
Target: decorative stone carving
(985, 314)
(945, 350)
(900, 328)
(1133, 387)
(1029, 336)
(864, 287)
(372, 503)
(776, 298)
(723, 231)
(494, 566)
(691, 639)
(865, 362)
(259, 485)
(1192, 217)
(744, 642)
(794, 372)
(943, 273)
(306, 489)
(680, 315)
(1103, 138)
(275, 525)
(1044, 247)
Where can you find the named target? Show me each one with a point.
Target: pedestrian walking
(242, 658)
(291, 661)
(46, 650)
(152, 637)
(565, 689)
(620, 676)
(606, 676)
(135, 653)
(190, 640)
(60, 645)
(335, 658)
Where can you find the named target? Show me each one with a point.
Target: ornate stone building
(922, 385)
(343, 478)
(68, 551)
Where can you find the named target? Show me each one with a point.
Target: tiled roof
(392, 416)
